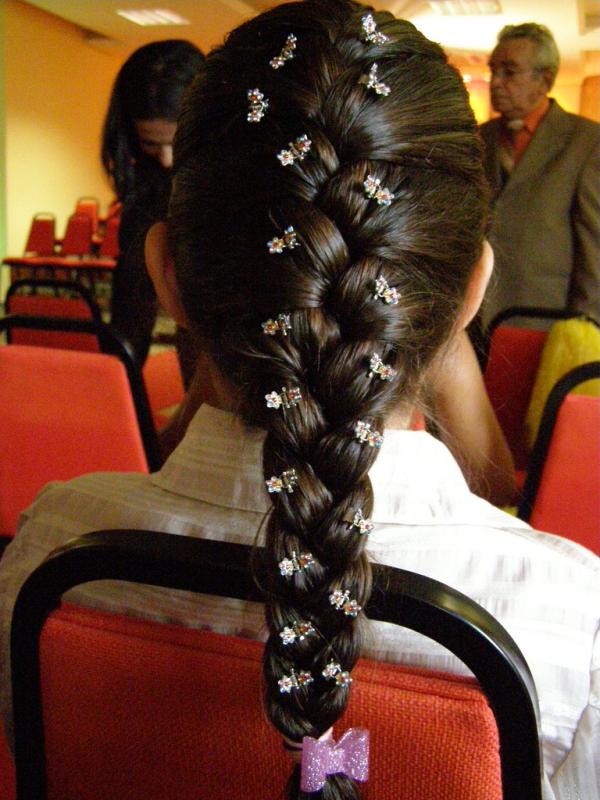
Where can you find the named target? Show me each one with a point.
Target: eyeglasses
(510, 73)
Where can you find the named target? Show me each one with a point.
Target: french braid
(304, 320)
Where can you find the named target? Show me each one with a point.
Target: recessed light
(152, 16)
(457, 7)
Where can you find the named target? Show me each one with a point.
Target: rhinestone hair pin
(286, 481)
(258, 105)
(383, 291)
(385, 371)
(369, 31)
(287, 399)
(375, 191)
(280, 325)
(288, 241)
(294, 681)
(371, 82)
(298, 632)
(333, 671)
(341, 600)
(364, 434)
(364, 525)
(286, 54)
(298, 150)
(296, 563)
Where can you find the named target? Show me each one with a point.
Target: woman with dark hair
(137, 155)
(325, 245)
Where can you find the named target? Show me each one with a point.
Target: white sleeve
(578, 777)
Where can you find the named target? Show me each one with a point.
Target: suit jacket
(545, 227)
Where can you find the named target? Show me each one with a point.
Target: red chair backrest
(42, 235)
(164, 385)
(64, 413)
(50, 306)
(77, 240)
(89, 206)
(109, 247)
(175, 713)
(509, 377)
(567, 501)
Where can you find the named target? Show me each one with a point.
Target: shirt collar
(417, 481)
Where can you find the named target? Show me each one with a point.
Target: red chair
(164, 385)
(65, 413)
(48, 297)
(109, 246)
(91, 207)
(127, 708)
(8, 786)
(512, 363)
(77, 240)
(562, 491)
(42, 235)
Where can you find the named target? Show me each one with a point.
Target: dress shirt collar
(416, 478)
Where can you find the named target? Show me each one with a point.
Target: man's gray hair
(546, 52)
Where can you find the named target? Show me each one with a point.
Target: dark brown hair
(232, 195)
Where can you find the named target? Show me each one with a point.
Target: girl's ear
(477, 285)
(161, 269)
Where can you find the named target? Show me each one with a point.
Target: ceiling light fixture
(152, 16)
(462, 7)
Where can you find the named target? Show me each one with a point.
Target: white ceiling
(575, 24)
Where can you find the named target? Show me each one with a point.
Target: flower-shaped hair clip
(383, 291)
(258, 105)
(364, 434)
(296, 563)
(287, 399)
(371, 82)
(334, 671)
(298, 150)
(287, 52)
(385, 371)
(375, 191)
(294, 681)
(369, 31)
(280, 325)
(340, 598)
(365, 526)
(298, 632)
(288, 241)
(286, 481)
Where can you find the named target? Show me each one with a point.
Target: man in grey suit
(543, 165)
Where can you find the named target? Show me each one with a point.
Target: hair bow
(323, 757)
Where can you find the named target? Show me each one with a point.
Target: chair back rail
(224, 569)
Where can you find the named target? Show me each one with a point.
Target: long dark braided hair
(295, 279)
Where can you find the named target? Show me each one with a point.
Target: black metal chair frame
(112, 343)
(233, 570)
(73, 287)
(539, 453)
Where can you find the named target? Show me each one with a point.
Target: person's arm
(468, 425)
(584, 291)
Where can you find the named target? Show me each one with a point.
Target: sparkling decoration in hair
(288, 398)
(384, 292)
(288, 241)
(333, 671)
(286, 481)
(286, 54)
(341, 600)
(365, 435)
(371, 82)
(365, 526)
(375, 191)
(294, 681)
(369, 31)
(298, 632)
(296, 563)
(258, 105)
(298, 150)
(280, 325)
(385, 371)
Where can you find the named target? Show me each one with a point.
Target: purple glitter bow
(323, 757)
